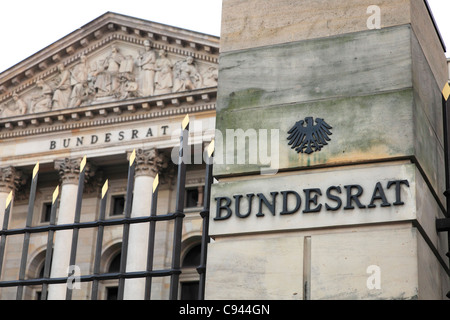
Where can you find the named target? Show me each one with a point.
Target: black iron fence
(153, 218)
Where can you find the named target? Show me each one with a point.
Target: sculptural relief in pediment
(117, 72)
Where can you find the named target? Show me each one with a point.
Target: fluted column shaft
(148, 165)
(69, 170)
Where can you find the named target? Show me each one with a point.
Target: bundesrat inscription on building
(313, 200)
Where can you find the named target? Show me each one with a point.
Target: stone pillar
(346, 98)
(9, 181)
(69, 171)
(148, 165)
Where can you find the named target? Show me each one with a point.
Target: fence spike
(55, 194)
(35, 170)
(132, 157)
(105, 189)
(211, 148)
(156, 183)
(9, 199)
(83, 164)
(185, 122)
(446, 91)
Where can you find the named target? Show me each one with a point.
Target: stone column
(148, 165)
(69, 171)
(10, 179)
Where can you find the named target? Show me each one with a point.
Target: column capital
(10, 179)
(69, 170)
(150, 162)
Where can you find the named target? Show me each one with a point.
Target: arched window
(110, 263)
(114, 267)
(35, 270)
(192, 258)
(189, 279)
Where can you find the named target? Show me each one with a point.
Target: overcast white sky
(27, 26)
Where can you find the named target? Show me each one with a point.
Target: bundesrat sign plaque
(352, 196)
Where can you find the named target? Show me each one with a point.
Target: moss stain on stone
(244, 99)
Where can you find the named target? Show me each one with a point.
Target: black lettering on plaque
(135, 134)
(121, 135)
(314, 200)
(221, 207)
(238, 205)
(108, 137)
(271, 206)
(398, 196)
(354, 197)
(298, 202)
(334, 198)
(52, 145)
(378, 194)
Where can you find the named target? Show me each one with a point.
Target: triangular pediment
(112, 60)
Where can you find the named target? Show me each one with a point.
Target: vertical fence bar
(73, 250)
(98, 249)
(446, 122)
(446, 114)
(151, 239)
(205, 216)
(178, 226)
(26, 239)
(126, 226)
(49, 252)
(5, 228)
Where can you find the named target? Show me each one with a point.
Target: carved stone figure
(112, 65)
(101, 79)
(43, 102)
(62, 91)
(110, 75)
(128, 85)
(147, 63)
(211, 77)
(20, 107)
(164, 76)
(79, 81)
(186, 76)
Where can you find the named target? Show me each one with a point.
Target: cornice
(99, 114)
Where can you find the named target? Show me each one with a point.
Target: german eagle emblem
(311, 137)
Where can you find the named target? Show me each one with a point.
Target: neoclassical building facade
(115, 85)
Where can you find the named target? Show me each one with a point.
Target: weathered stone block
(318, 69)
(240, 269)
(340, 265)
(365, 128)
(256, 23)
